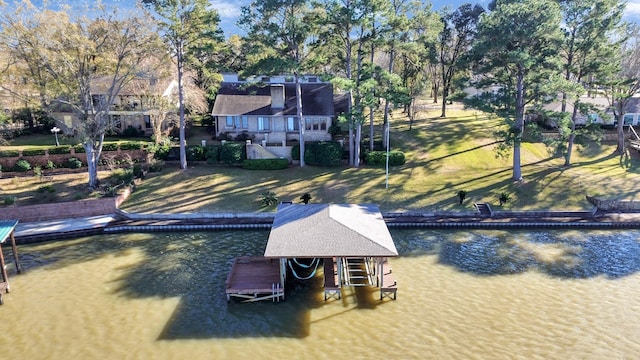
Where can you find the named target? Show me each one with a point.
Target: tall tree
(189, 27)
(80, 55)
(456, 36)
(516, 53)
(590, 42)
(286, 28)
(622, 80)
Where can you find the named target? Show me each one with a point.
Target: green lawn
(443, 156)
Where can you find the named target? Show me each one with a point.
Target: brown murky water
(462, 295)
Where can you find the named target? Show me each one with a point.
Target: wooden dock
(331, 279)
(254, 278)
(388, 285)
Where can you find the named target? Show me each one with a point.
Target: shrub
(504, 198)
(122, 176)
(79, 148)
(196, 153)
(9, 153)
(265, 164)
(156, 165)
(295, 152)
(160, 151)
(22, 166)
(64, 149)
(305, 198)
(268, 198)
(46, 189)
(33, 152)
(138, 171)
(73, 163)
(110, 147)
(324, 153)
(37, 171)
(50, 165)
(232, 153)
(244, 136)
(131, 145)
(462, 194)
(379, 158)
(212, 154)
(8, 200)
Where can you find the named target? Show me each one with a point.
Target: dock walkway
(331, 280)
(388, 285)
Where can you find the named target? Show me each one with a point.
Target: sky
(229, 10)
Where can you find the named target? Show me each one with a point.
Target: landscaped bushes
(196, 153)
(9, 153)
(233, 153)
(324, 153)
(379, 158)
(64, 149)
(265, 164)
(33, 152)
(73, 163)
(22, 165)
(213, 154)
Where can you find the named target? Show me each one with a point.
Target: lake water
(461, 295)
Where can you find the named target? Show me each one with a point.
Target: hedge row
(66, 149)
(265, 164)
(323, 153)
(379, 158)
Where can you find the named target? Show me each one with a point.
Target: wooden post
(14, 248)
(3, 270)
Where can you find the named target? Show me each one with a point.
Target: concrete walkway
(63, 228)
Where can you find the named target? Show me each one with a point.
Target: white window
(237, 122)
(263, 123)
(315, 124)
(292, 124)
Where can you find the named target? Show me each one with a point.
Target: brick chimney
(277, 96)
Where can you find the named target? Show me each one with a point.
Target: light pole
(55, 132)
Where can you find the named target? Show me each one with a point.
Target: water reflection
(193, 268)
(566, 254)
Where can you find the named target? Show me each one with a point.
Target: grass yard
(443, 157)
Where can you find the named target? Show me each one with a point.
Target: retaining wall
(64, 210)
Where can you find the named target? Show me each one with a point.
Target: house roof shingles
(238, 99)
(323, 230)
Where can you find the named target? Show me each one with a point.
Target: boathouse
(351, 241)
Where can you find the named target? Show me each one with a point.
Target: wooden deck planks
(331, 282)
(389, 286)
(254, 276)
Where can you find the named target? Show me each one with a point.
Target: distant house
(264, 108)
(135, 105)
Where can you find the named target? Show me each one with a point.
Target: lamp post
(55, 132)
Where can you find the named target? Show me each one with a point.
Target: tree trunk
(519, 126)
(301, 124)
(572, 137)
(620, 150)
(443, 114)
(183, 140)
(356, 158)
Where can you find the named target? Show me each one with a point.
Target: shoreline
(123, 222)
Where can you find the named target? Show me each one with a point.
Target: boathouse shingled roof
(329, 230)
